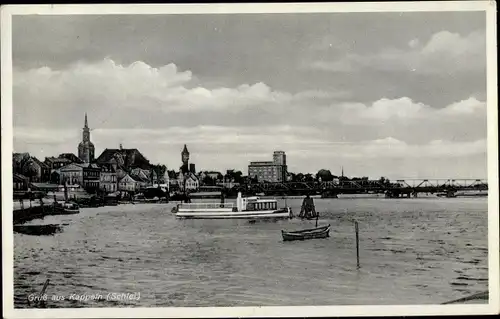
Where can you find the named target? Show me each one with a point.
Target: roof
(262, 163)
(131, 157)
(88, 165)
(19, 177)
(44, 185)
(70, 156)
(191, 175)
(57, 160)
(42, 164)
(172, 174)
(17, 157)
(107, 167)
(139, 178)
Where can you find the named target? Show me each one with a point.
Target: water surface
(412, 251)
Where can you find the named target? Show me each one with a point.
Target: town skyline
(309, 89)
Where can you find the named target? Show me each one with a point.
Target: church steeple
(185, 159)
(86, 148)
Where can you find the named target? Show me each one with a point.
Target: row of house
(114, 170)
(128, 174)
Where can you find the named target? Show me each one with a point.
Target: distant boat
(313, 233)
(245, 208)
(38, 230)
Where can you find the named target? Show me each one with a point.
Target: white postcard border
(296, 311)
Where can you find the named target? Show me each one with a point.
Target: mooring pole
(357, 242)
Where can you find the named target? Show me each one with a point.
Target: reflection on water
(412, 251)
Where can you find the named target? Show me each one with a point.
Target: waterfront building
(20, 182)
(108, 181)
(141, 181)
(123, 158)
(71, 157)
(269, 171)
(35, 170)
(44, 187)
(86, 149)
(149, 175)
(188, 182)
(91, 177)
(86, 175)
(172, 180)
(56, 163)
(166, 179)
(71, 174)
(18, 160)
(128, 184)
(279, 158)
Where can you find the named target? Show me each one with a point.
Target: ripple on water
(407, 250)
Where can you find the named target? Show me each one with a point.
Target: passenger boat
(244, 208)
(313, 233)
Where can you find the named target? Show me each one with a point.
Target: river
(412, 251)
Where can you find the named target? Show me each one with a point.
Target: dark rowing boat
(38, 230)
(313, 233)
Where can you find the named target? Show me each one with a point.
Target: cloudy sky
(383, 94)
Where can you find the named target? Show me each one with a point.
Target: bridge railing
(373, 185)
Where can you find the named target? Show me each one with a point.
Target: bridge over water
(396, 188)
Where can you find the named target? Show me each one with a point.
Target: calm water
(412, 251)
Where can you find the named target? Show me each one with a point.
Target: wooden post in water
(357, 241)
(317, 216)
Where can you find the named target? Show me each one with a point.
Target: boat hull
(229, 214)
(71, 211)
(315, 233)
(38, 230)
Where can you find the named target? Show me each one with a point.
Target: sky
(400, 95)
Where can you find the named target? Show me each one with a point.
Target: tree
(207, 180)
(30, 171)
(308, 178)
(384, 180)
(238, 177)
(325, 175)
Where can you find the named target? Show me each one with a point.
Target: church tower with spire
(185, 159)
(86, 148)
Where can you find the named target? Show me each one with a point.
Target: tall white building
(269, 171)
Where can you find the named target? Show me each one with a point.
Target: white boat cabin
(242, 204)
(258, 204)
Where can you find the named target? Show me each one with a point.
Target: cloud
(140, 86)
(390, 147)
(404, 108)
(444, 52)
(35, 136)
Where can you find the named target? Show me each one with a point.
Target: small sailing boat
(312, 233)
